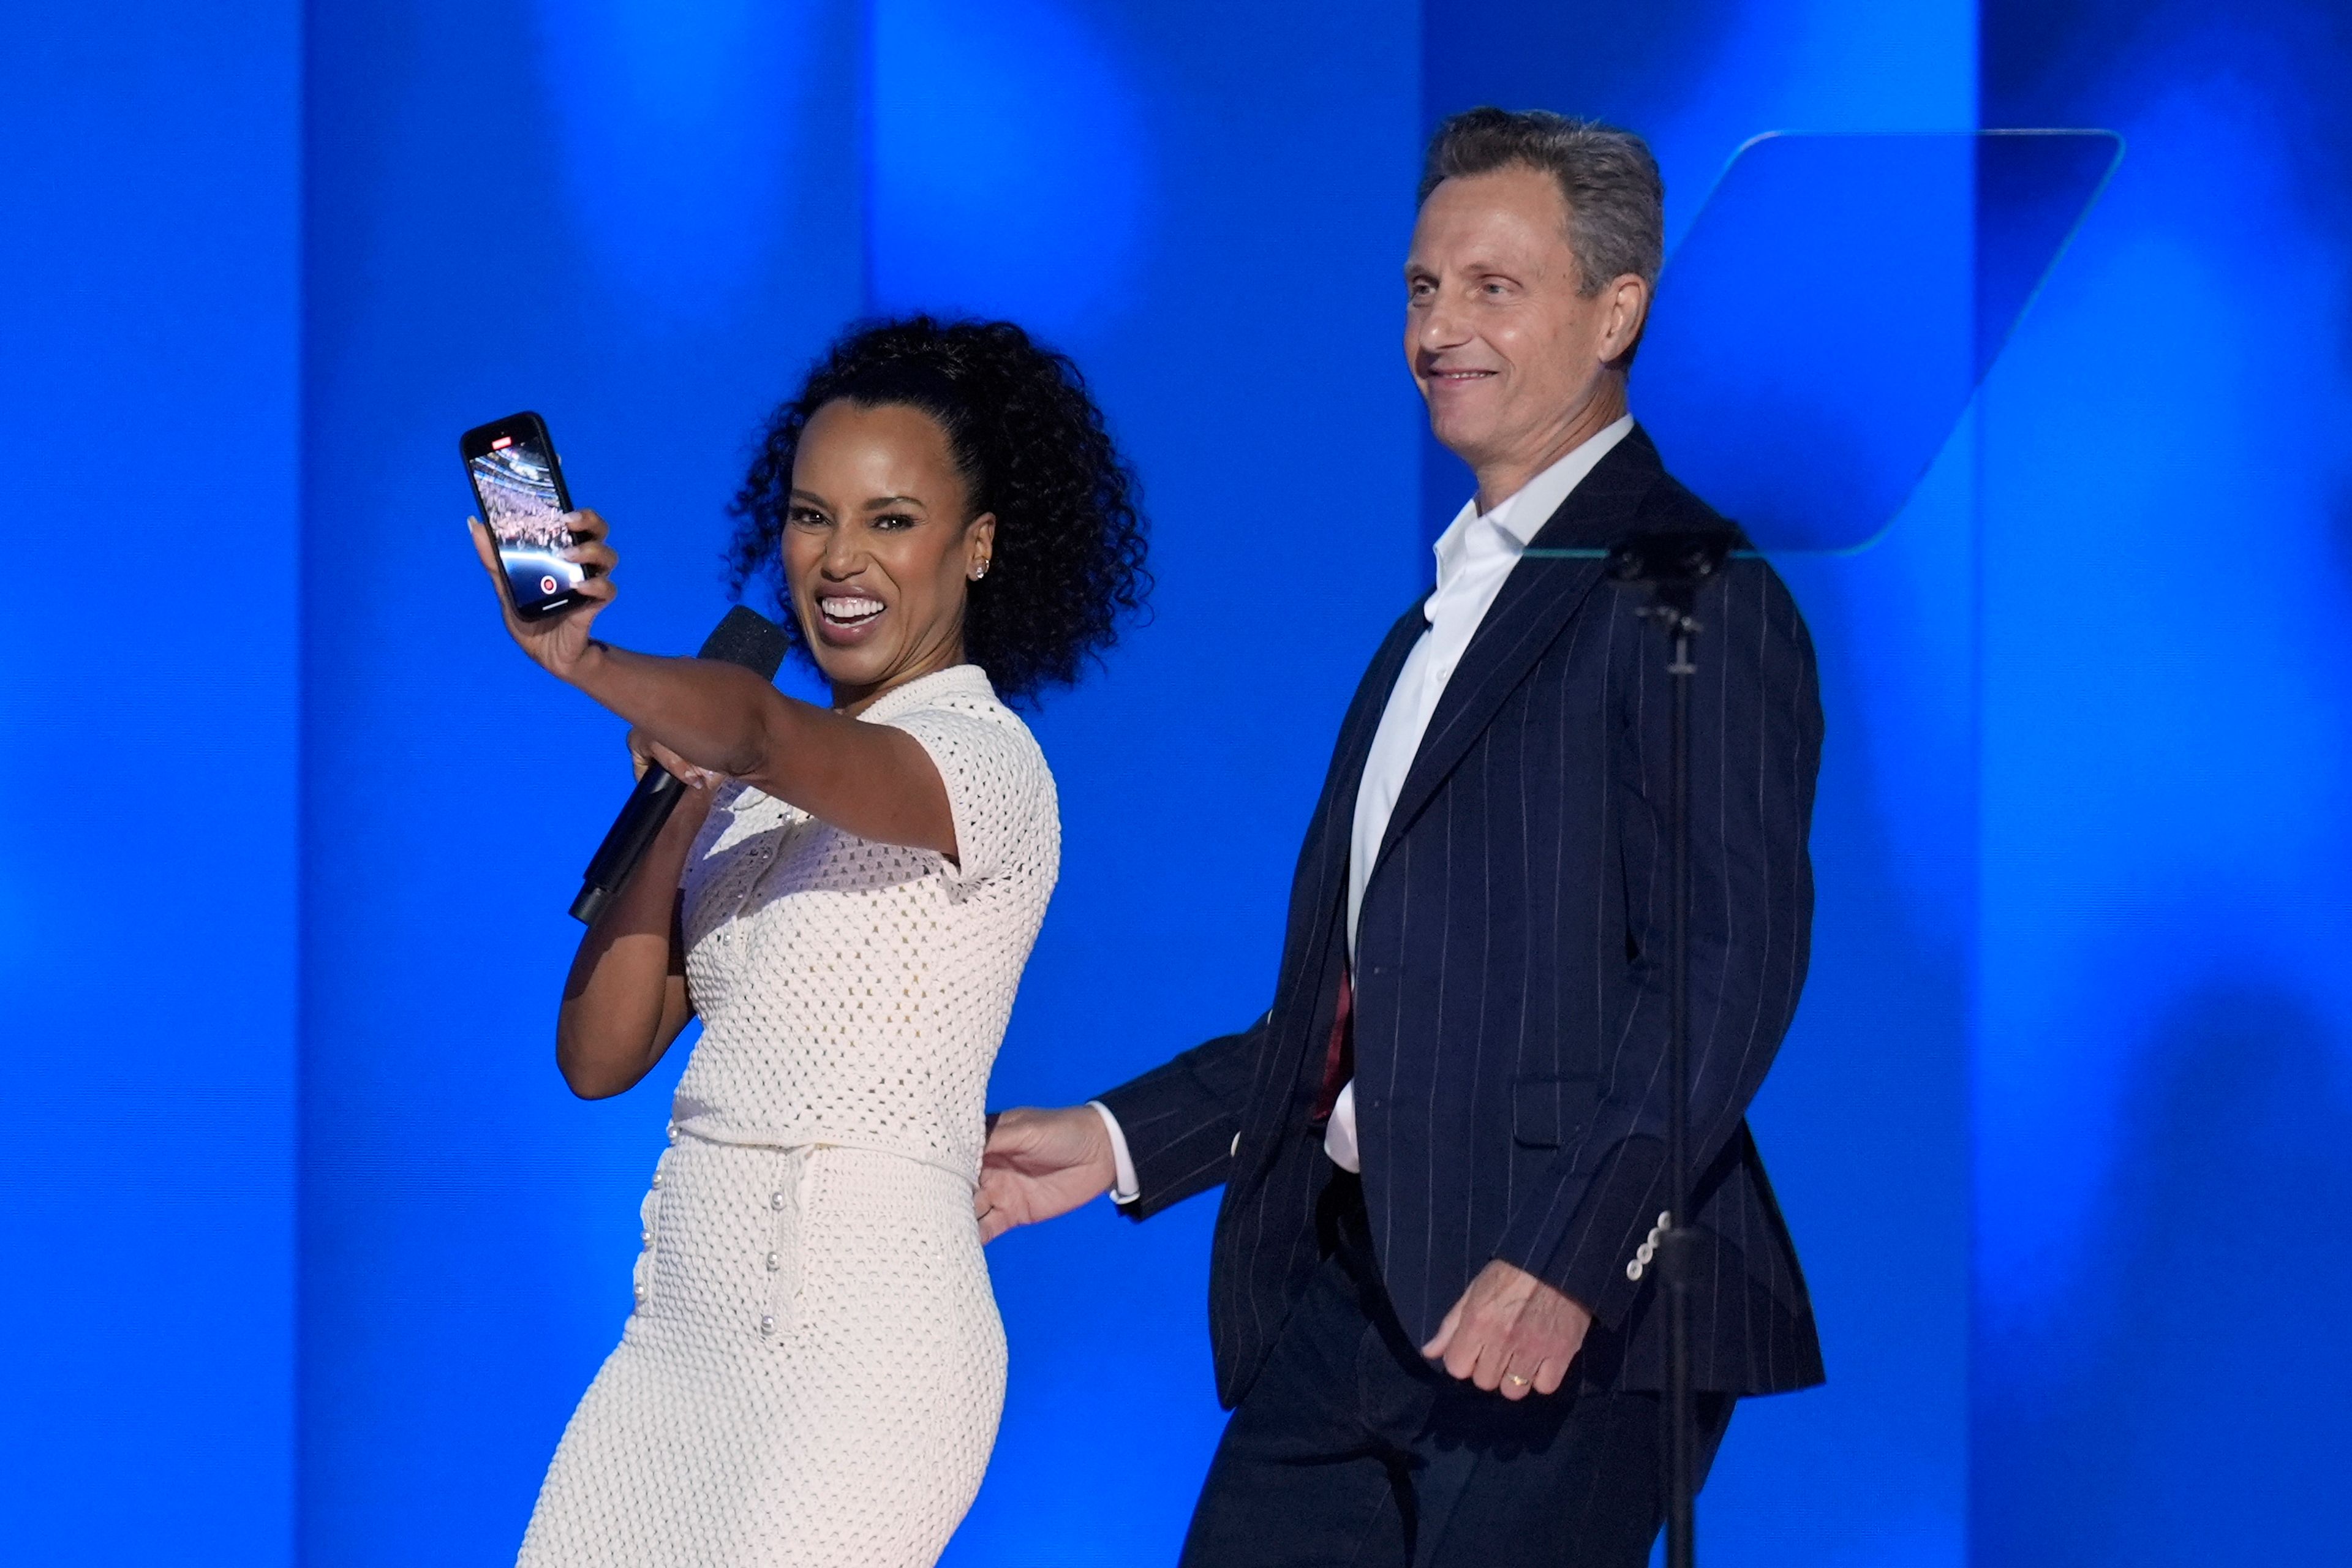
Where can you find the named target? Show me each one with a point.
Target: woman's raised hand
(560, 641)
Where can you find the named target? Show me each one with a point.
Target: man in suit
(1432, 1302)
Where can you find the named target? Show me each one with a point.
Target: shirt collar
(1518, 516)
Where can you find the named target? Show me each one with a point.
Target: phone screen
(521, 502)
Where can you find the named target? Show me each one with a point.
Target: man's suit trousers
(1353, 1451)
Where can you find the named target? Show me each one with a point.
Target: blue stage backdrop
(2164, 1076)
(317, 1250)
(150, 250)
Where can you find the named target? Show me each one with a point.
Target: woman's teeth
(849, 612)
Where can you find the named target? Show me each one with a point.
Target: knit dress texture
(813, 1371)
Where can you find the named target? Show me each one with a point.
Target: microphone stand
(1675, 566)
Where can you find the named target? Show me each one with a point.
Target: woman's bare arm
(626, 998)
(867, 779)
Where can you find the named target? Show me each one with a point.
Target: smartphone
(519, 487)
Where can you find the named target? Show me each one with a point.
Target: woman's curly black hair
(1067, 563)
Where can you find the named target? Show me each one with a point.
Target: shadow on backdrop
(2216, 1250)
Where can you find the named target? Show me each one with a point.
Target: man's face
(1504, 348)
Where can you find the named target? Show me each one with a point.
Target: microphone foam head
(747, 638)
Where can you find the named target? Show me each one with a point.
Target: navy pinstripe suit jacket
(1511, 975)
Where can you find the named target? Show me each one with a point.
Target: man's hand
(1510, 1332)
(1039, 1164)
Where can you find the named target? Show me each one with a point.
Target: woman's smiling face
(879, 546)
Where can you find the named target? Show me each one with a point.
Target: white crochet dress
(814, 1369)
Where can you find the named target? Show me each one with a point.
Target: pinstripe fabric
(1511, 1006)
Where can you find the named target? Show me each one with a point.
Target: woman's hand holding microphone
(701, 783)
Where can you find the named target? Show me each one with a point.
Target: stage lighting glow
(679, 124)
(1009, 168)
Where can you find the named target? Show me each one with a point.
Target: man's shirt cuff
(1126, 1189)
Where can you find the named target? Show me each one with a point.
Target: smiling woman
(925, 429)
(845, 898)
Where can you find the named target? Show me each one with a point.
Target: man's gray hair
(1616, 202)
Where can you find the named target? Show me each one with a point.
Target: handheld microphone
(744, 637)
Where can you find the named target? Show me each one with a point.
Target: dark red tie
(1339, 1056)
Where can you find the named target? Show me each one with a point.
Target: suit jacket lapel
(1535, 603)
(1335, 814)
(1323, 872)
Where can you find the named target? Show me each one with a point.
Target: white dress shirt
(1474, 554)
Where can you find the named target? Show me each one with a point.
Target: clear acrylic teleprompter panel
(1822, 325)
